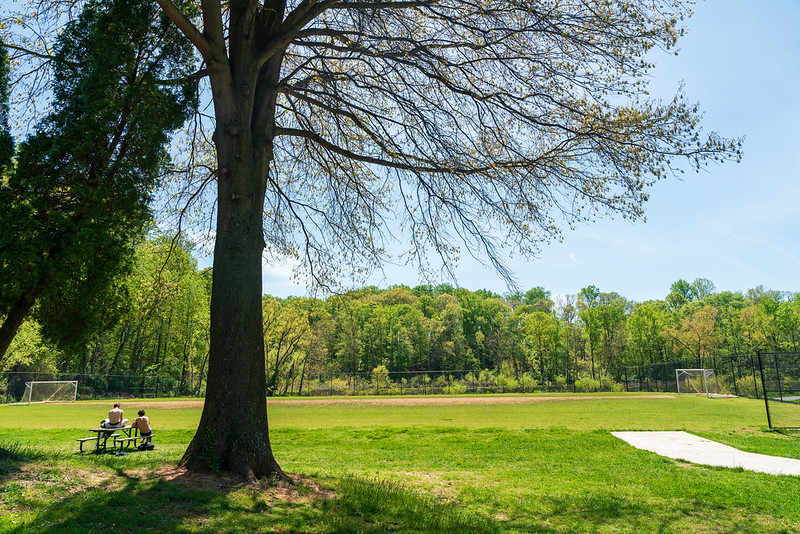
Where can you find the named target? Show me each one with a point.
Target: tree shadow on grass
(149, 506)
(174, 500)
(13, 457)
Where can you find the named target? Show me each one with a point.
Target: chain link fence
(780, 372)
(449, 382)
(734, 374)
(772, 376)
(12, 385)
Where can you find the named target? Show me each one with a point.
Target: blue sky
(734, 224)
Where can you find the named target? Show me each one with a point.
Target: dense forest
(403, 334)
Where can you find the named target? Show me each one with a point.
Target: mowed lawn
(508, 464)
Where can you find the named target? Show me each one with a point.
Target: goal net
(698, 382)
(50, 391)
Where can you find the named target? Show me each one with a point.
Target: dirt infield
(422, 400)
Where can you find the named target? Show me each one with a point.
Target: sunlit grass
(546, 467)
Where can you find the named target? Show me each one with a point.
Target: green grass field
(380, 465)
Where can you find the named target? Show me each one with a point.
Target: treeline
(533, 336)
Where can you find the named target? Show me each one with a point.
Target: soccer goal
(50, 391)
(697, 381)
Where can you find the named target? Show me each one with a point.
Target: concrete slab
(691, 448)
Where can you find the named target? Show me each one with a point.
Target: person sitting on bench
(143, 424)
(115, 418)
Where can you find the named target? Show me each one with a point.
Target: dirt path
(422, 400)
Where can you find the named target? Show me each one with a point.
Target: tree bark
(233, 433)
(14, 319)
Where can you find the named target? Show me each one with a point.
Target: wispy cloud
(768, 244)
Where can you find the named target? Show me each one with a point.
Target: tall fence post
(764, 387)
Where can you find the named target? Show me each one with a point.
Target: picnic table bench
(102, 435)
(127, 440)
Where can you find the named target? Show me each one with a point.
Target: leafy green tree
(646, 329)
(29, 352)
(318, 359)
(702, 287)
(77, 201)
(758, 293)
(611, 318)
(542, 341)
(588, 300)
(287, 332)
(788, 319)
(538, 297)
(681, 292)
(773, 321)
(494, 321)
(165, 327)
(589, 297)
(696, 330)
(347, 338)
(448, 347)
(407, 341)
(574, 344)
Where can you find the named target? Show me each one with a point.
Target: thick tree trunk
(233, 433)
(13, 321)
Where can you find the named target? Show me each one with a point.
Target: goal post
(50, 391)
(696, 381)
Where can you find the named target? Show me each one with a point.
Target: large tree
(474, 124)
(78, 197)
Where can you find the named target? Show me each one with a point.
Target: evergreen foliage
(6, 140)
(78, 199)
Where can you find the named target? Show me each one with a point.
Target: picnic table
(102, 435)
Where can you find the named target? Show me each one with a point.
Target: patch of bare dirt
(467, 400)
(439, 487)
(297, 489)
(199, 480)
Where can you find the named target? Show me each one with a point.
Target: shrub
(561, 383)
(587, 385)
(458, 388)
(507, 383)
